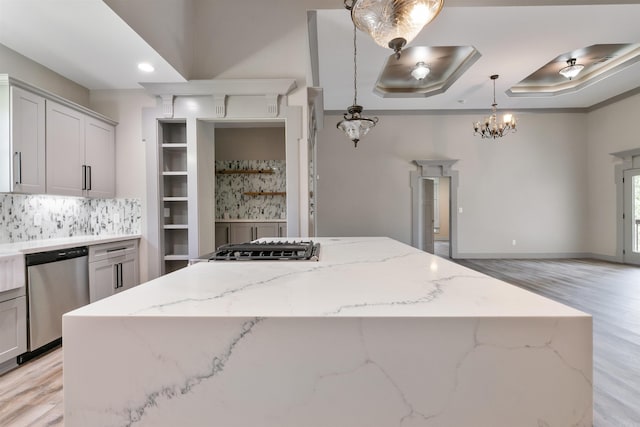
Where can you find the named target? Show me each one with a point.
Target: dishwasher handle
(57, 255)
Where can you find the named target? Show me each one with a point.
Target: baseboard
(522, 255)
(608, 258)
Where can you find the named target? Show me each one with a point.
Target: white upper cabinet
(80, 154)
(51, 145)
(100, 158)
(28, 141)
(65, 151)
(22, 141)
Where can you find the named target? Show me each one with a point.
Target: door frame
(630, 160)
(434, 169)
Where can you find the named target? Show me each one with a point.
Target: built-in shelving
(174, 197)
(264, 193)
(244, 171)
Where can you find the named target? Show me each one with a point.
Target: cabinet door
(223, 232)
(13, 328)
(266, 229)
(102, 279)
(242, 232)
(65, 150)
(100, 158)
(28, 141)
(282, 229)
(128, 271)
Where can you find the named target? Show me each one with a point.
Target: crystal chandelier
(572, 69)
(354, 124)
(491, 127)
(393, 23)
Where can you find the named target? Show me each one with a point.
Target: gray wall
(22, 68)
(530, 186)
(250, 143)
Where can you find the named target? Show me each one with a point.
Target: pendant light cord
(355, 67)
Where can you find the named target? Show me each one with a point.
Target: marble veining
(39, 217)
(230, 189)
(374, 334)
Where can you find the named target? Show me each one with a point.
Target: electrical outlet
(167, 213)
(116, 218)
(513, 242)
(459, 210)
(37, 219)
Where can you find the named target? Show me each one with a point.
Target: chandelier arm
(348, 4)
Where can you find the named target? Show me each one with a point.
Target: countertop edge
(34, 246)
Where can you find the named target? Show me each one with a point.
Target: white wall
(125, 107)
(530, 186)
(23, 68)
(174, 42)
(610, 129)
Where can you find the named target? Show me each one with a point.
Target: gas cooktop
(304, 250)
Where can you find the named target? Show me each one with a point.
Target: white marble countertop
(355, 277)
(33, 246)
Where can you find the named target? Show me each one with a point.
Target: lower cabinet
(240, 232)
(13, 328)
(113, 267)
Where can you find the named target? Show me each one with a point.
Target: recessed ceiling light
(146, 67)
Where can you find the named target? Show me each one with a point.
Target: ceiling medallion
(491, 127)
(572, 69)
(354, 124)
(393, 23)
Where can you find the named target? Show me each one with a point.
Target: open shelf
(244, 171)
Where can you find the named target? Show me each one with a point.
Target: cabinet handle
(228, 234)
(18, 170)
(89, 180)
(117, 278)
(84, 177)
(121, 278)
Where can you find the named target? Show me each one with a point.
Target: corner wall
(611, 129)
(530, 187)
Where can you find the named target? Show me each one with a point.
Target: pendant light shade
(354, 124)
(393, 23)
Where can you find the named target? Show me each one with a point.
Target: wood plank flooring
(611, 294)
(31, 396)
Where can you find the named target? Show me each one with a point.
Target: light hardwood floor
(31, 396)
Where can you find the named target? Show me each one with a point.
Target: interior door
(632, 216)
(427, 215)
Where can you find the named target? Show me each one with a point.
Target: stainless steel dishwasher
(57, 282)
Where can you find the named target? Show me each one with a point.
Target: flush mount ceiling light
(420, 71)
(572, 69)
(393, 23)
(354, 125)
(491, 127)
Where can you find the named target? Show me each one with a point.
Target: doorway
(434, 200)
(631, 216)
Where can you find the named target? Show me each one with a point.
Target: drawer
(119, 249)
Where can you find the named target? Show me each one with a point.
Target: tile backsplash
(233, 203)
(34, 217)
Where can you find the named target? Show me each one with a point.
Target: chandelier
(491, 127)
(354, 124)
(393, 23)
(572, 69)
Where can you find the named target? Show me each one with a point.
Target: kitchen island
(376, 333)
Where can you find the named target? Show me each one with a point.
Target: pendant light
(393, 23)
(354, 124)
(490, 127)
